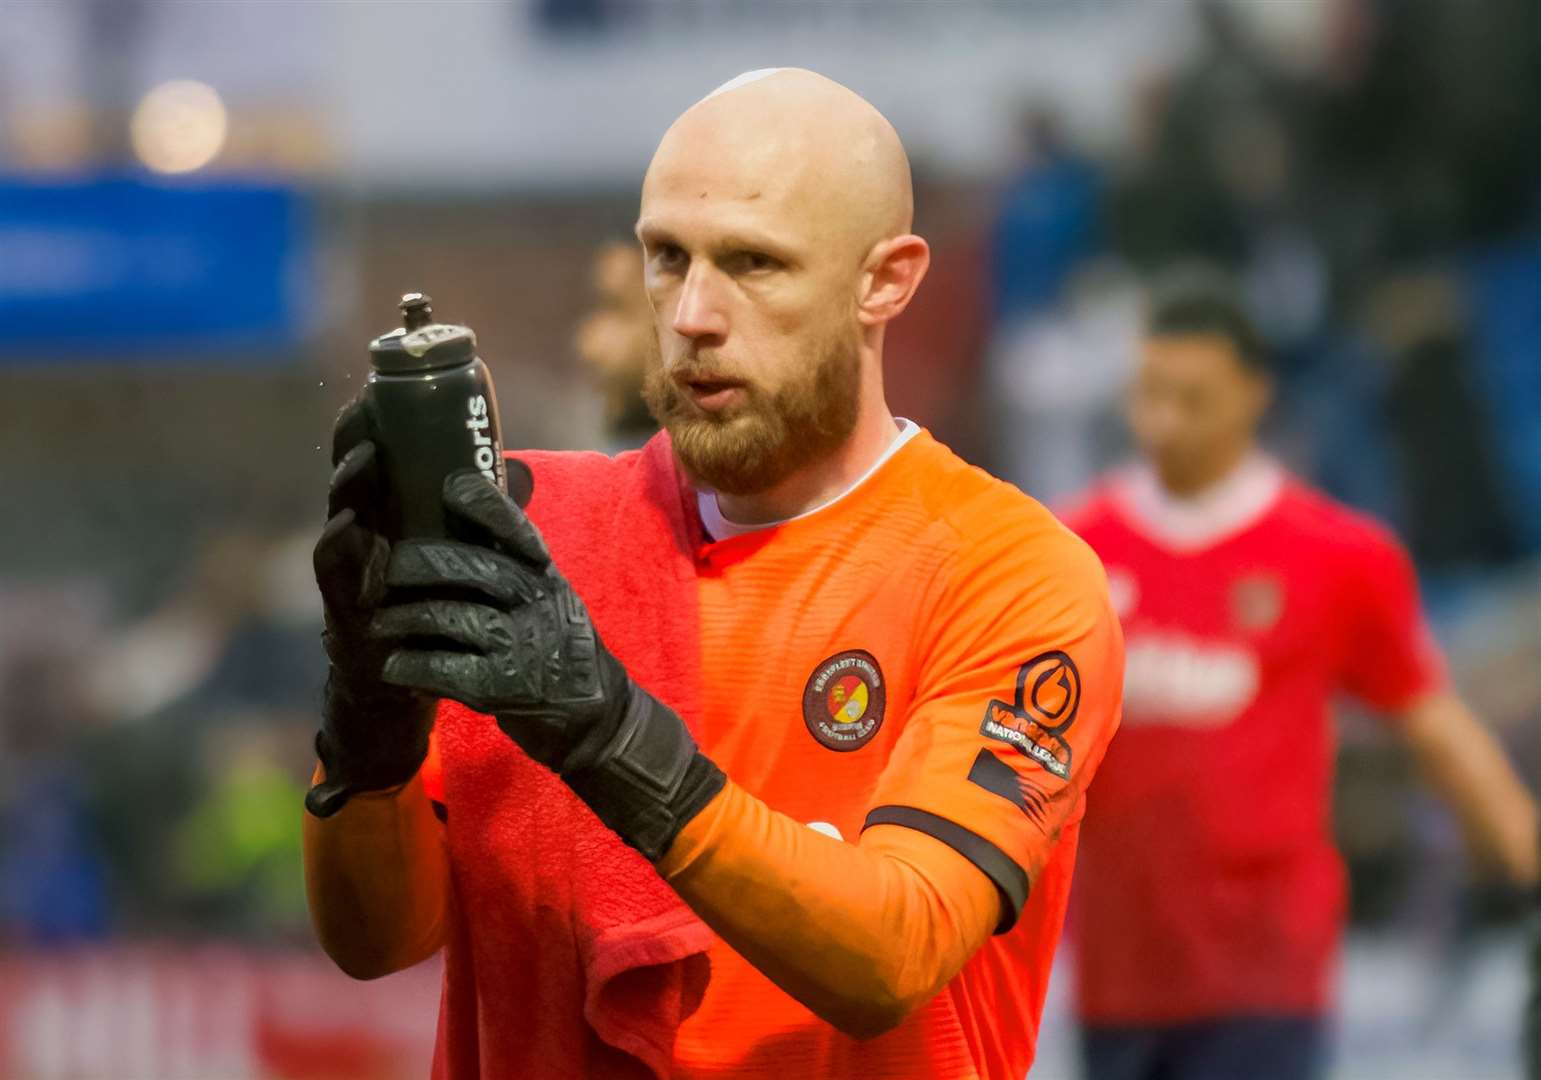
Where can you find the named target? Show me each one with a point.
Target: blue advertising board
(127, 268)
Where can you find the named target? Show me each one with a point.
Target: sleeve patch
(999, 778)
(1048, 695)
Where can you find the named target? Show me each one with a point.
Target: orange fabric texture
(934, 652)
(894, 918)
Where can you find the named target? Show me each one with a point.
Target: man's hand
(373, 735)
(488, 621)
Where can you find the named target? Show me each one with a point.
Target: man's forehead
(710, 163)
(1194, 355)
(724, 194)
(721, 222)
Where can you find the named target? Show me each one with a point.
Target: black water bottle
(433, 412)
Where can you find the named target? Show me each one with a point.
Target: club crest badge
(844, 700)
(1257, 602)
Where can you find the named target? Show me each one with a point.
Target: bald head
(820, 158)
(776, 249)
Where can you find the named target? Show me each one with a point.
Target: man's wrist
(649, 780)
(361, 797)
(369, 741)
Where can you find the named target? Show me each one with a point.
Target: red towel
(567, 955)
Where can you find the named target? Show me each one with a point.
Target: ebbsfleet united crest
(844, 701)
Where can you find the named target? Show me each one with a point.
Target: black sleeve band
(996, 865)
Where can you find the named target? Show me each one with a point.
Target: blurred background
(207, 209)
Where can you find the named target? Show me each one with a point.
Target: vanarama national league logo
(1047, 699)
(844, 701)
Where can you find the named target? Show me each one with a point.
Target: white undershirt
(1228, 506)
(718, 527)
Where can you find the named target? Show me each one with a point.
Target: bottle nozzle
(416, 310)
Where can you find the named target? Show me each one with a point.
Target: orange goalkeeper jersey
(933, 650)
(932, 653)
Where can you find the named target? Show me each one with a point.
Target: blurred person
(1057, 380)
(1062, 328)
(52, 873)
(1216, 157)
(1225, 172)
(1047, 223)
(1453, 493)
(235, 857)
(236, 618)
(230, 648)
(909, 670)
(52, 867)
(1425, 124)
(1209, 898)
(613, 342)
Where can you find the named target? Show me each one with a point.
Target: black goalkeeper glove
(517, 642)
(373, 735)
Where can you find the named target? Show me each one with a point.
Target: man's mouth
(711, 392)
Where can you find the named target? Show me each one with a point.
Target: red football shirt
(1208, 883)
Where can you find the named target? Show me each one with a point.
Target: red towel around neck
(567, 955)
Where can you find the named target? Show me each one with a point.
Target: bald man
(834, 693)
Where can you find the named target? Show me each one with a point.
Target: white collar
(1187, 523)
(718, 527)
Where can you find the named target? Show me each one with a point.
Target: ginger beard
(753, 447)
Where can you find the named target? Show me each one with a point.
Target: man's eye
(670, 257)
(753, 262)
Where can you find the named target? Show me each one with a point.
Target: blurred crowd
(1381, 214)
(151, 766)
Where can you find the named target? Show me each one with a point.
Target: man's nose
(700, 313)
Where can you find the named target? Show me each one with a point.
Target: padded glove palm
(489, 621)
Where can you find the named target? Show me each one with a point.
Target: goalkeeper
(839, 693)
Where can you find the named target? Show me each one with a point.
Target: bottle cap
(420, 343)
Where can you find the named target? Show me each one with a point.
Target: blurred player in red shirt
(1209, 896)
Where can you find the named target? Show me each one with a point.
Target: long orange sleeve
(377, 876)
(861, 934)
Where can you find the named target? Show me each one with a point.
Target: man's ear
(891, 273)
